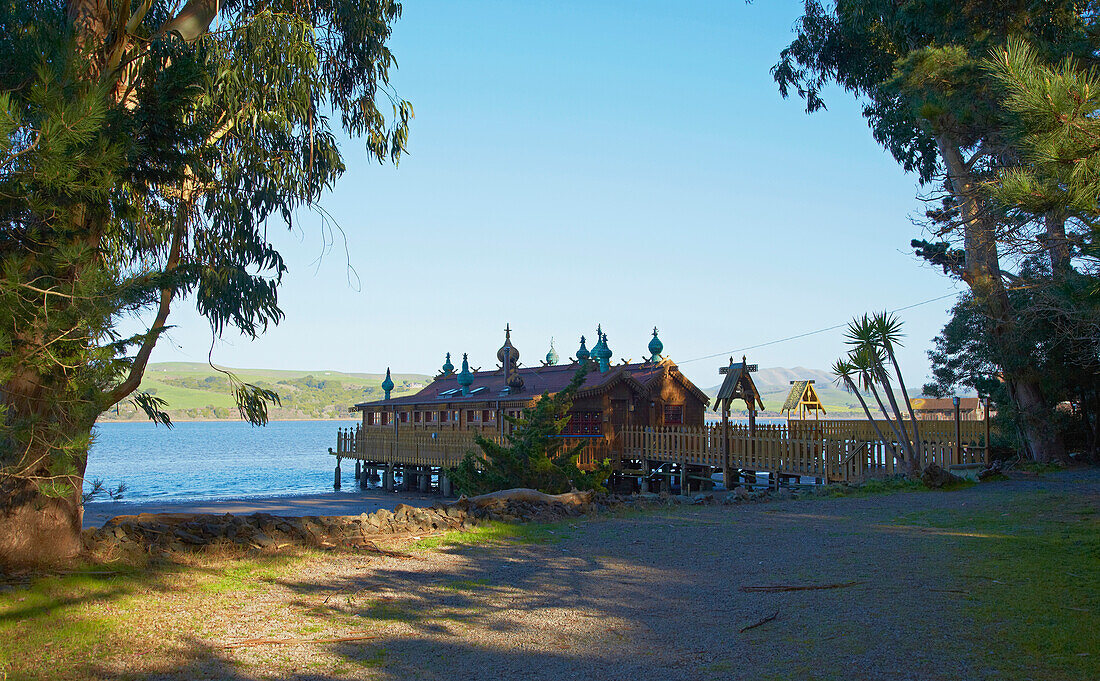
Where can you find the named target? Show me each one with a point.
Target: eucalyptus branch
(141, 360)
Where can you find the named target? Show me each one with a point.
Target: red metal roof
(943, 404)
(536, 381)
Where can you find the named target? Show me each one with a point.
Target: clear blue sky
(574, 163)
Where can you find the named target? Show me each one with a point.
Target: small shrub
(533, 456)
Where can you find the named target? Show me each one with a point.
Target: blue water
(215, 460)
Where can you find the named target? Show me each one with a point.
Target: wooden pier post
(988, 444)
(387, 478)
(643, 482)
(958, 435)
(727, 470)
(358, 470)
(425, 478)
(336, 477)
(445, 487)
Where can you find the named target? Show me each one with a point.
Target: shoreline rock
(153, 532)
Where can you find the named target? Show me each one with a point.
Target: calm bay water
(205, 460)
(215, 459)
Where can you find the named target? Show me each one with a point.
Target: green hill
(194, 390)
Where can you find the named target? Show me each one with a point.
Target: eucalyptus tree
(919, 67)
(144, 147)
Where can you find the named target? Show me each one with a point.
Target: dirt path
(652, 596)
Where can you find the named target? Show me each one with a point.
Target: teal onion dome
(448, 368)
(582, 352)
(465, 378)
(387, 384)
(599, 343)
(656, 347)
(551, 357)
(602, 353)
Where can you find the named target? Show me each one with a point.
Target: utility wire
(810, 333)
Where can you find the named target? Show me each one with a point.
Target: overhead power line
(810, 333)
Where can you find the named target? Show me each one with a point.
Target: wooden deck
(824, 450)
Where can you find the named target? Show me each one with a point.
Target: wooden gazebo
(738, 385)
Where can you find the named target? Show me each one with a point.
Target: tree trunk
(1057, 244)
(37, 530)
(866, 410)
(906, 442)
(1046, 443)
(890, 422)
(982, 273)
(905, 394)
(40, 452)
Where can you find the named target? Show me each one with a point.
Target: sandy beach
(334, 503)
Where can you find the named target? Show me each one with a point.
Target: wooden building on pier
(612, 397)
(645, 418)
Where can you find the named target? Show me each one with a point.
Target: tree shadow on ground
(653, 596)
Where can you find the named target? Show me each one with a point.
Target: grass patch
(1038, 467)
(898, 483)
(495, 532)
(892, 485)
(1033, 572)
(466, 584)
(93, 616)
(246, 575)
(389, 612)
(58, 621)
(375, 660)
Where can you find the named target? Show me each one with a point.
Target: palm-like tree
(873, 339)
(890, 335)
(846, 373)
(866, 361)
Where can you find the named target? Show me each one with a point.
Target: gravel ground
(655, 595)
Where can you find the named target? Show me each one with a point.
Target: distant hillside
(193, 391)
(775, 383)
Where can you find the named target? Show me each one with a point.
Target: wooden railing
(832, 450)
(442, 449)
(836, 450)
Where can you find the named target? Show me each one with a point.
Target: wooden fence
(834, 450)
(444, 449)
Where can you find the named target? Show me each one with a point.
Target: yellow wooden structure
(804, 399)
